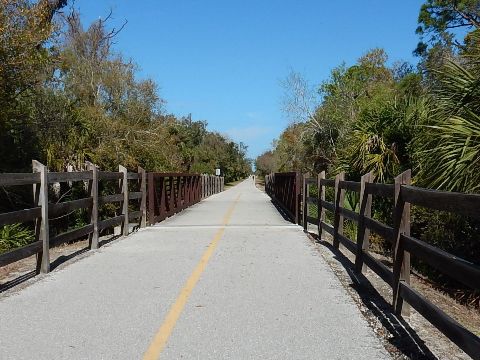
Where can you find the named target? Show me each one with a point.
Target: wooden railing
(211, 184)
(285, 190)
(44, 211)
(168, 193)
(398, 236)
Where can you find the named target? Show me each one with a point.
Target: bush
(14, 236)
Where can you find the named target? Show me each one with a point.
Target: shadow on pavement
(401, 336)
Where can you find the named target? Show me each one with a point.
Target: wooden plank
(107, 199)
(328, 182)
(133, 176)
(135, 195)
(321, 197)
(352, 215)
(132, 215)
(327, 205)
(385, 190)
(339, 203)
(327, 227)
(349, 244)
(401, 258)
(312, 220)
(381, 229)
(124, 185)
(380, 269)
(65, 207)
(311, 181)
(71, 235)
(455, 267)
(466, 340)
(20, 216)
(363, 233)
(349, 185)
(20, 253)
(105, 224)
(69, 176)
(14, 179)
(108, 175)
(42, 229)
(465, 204)
(94, 236)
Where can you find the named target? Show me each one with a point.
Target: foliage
(67, 97)
(14, 236)
(380, 118)
(438, 18)
(447, 149)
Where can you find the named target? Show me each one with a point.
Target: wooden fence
(168, 193)
(285, 190)
(211, 184)
(398, 236)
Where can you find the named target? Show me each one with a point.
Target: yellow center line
(161, 337)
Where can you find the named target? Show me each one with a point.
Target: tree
(438, 18)
(447, 150)
(265, 163)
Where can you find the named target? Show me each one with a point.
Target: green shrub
(14, 236)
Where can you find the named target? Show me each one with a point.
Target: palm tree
(447, 148)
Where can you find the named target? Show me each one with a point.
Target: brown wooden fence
(168, 193)
(44, 211)
(285, 190)
(398, 236)
(211, 184)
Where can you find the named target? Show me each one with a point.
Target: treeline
(66, 97)
(383, 118)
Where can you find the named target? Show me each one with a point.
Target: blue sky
(223, 61)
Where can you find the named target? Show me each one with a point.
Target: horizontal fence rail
(168, 193)
(282, 188)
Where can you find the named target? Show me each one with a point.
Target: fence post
(305, 193)
(93, 237)
(42, 232)
(124, 187)
(339, 202)
(143, 201)
(401, 258)
(363, 233)
(321, 197)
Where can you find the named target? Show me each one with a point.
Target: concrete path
(226, 279)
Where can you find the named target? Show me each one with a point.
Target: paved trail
(228, 278)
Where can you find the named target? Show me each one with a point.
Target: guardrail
(44, 211)
(285, 190)
(168, 193)
(403, 245)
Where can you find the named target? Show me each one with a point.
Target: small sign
(217, 172)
